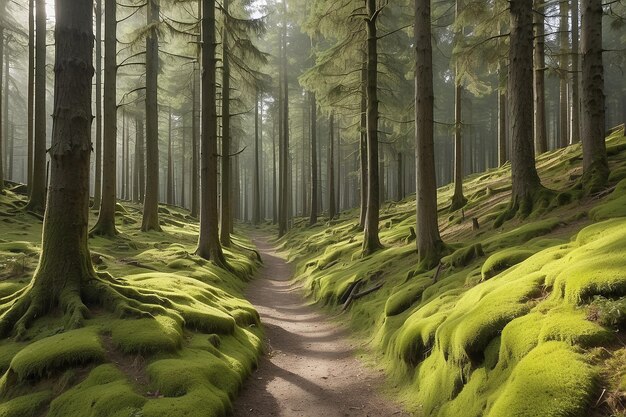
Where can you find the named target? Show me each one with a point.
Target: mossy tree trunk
(209, 246)
(429, 244)
(595, 165)
(105, 226)
(226, 213)
(37, 197)
(150, 219)
(363, 146)
(97, 194)
(539, 85)
(371, 241)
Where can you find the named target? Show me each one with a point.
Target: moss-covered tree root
(540, 199)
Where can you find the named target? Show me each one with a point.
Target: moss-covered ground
(525, 319)
(188, 361)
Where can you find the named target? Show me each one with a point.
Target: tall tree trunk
(363, 146)
(170, 161)
(314, 177)
(195, 134)
(458, 199)
(122, 177)
(38, 188)
(209, 246)
(539, 85)
(303, 177)
(2, 118)
(65, 271)
(183, 171)
(575, 127)
(256, 203)
(400, 178)
(227, 184)
(595, 165)
(371, 241)
(429, 244)
(31, 92)
(97, 193)
(274, 185)
(138, 163)
(150, 219)
(502, 120)
(140, 160)
(337, 163)
(331, 168)
(525, 180)
(563, 71)
(285, 183)
(105, 225)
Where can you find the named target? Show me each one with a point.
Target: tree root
(539, 200)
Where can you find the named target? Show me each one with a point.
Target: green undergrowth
(188, 360)
(520, 320)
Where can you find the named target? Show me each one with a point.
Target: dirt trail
(310, 369)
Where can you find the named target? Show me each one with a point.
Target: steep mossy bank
(188, 360)
(521, 320)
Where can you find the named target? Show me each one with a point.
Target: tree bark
(105, 226)
(138, 189)
(285, 183)
(363, 146)
(525, 181)
(37, 196)
(274, 185)
(227, 186)
(170, 161)
(31, 92)
(150, 219)
(595, 165)
(209, 246)
(183, 158)
(458, 199)
(563, 72)
(371, 241)
(3, 120)
(97, 193)
(575, 126)
(195, 134)
(332, 209)
(400, 178)
(256, 203)
(539, 86)
(314, 179)
(429, 244)
(65, 268)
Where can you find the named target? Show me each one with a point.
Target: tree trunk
(105, 226)
(314, 186)
(575, 127)
(97, 193)
(525, 181)
(183, 158)
(31, 92)
(331, 168)
(2, 118)
(65, 268)
(563, 71)
(371, 242)
(285, 183)
(194, 147)
(37, 199)
(303, 175)
(400, 178)
(274, 190)
(595, 165)
(170, 161)
(539, 86)
(429, 244)
(458, 199)
(209, 246)
(227, 186)
(363, 146)
(138, 162)
(151, 199)
(256, 203)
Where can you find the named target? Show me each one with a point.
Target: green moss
(464, 256)
(72, 348)
(159, 334)
(29, 405)
(406, 295)
(551, 381)
(503, 260)
(615, 205)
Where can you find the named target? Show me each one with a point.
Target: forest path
(310, 369)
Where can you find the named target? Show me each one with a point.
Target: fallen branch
(368, 291)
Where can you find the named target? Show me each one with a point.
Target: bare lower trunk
(256, 191)
(97, 194)
(38, 187)
(563, 75)
(274, 185)
(195, 133)
(227, 186)
(285, 183)
(332, 210)
(31, 92)
(429, 245)
(105, 225)
(209, 246)
(541, 139)
(595, 166)
(2, 118)
(314, 179)
(575, 85)
(363, 146)
(371, 241)
(170, 162)
(151, 199)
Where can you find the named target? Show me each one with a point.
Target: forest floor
(311, 368)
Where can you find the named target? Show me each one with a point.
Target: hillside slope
(520, 320)
(189, 358)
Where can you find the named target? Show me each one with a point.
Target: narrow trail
(310, 369)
